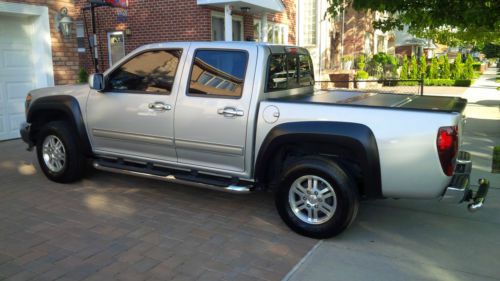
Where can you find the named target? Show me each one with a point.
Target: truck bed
(400, 101)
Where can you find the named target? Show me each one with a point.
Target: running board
(181, 179)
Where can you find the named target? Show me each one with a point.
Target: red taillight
(447, 145)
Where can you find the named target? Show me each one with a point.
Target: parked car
(213, 115)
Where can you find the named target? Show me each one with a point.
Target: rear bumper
(459, 189)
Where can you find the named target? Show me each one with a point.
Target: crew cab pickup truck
(245, 116)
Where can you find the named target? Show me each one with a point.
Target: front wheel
(316, 197)
(58, 153)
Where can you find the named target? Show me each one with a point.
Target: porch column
(228, 23)
(263, 31)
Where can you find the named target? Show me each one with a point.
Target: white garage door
(16, 72)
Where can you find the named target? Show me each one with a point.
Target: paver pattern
(116, 227)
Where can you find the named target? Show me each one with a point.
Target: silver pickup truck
(245, 116)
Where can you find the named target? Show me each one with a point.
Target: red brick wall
(64, 50)
(168, 20)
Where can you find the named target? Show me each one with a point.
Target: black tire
(73, 167)
(345, 191)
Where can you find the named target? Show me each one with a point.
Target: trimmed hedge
(448, 82)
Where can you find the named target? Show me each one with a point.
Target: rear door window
(218, 73)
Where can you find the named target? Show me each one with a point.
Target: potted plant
(360, 78)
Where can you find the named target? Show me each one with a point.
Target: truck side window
(289, 71)
(151, 72)
(218, 73)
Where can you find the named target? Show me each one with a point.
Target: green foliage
(83, 76)
(362, 75)
(347, 58)
(445, 68)
(491, 50)
(445, 21)
(404, 69)
(456, 71)
(361, 62)
(434, 69)
(468, 72)
(477, 66)
(448, 82)
(414, 68)
(422, 68)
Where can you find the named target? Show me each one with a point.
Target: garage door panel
(17, 58)
(16, 72)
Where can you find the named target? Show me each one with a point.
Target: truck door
(134, 115)
(212, 110)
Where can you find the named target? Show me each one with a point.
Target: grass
(495, 167)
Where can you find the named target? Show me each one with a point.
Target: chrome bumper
(459, 189)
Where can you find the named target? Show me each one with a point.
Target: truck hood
(412, 102)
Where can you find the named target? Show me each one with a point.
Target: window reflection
(219, 73)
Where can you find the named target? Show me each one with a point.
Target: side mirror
(96, 81)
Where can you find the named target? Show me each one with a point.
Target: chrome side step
(231, 188)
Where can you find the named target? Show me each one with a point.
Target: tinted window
(218, 73)
(289, 71)
(150, 72)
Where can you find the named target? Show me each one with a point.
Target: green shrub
(361, 62)
(83, 76)
(477, 66)
(456, 71)
(439, 82)
(468, 72)
(362, 75)
(434, 69)
(445, 68)
(414, 68)
(463, 82)
(404, 69)
(422, 67)
(407, 83)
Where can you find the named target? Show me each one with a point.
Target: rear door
(212, 108)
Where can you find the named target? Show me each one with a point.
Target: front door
(212, 110)
(133, 116)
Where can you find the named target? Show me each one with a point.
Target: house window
(218, 33)
(381, 44)
(308, 21)
(368, 43)
(116, 46)
(277, 33)
(80, 36)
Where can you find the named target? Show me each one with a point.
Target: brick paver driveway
(112, 226)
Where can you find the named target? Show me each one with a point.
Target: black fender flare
(70, 107)
(358, 138)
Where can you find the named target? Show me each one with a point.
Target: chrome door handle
(159, 106)
(230, 112)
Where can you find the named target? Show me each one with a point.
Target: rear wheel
(316, 197)
(58, 153)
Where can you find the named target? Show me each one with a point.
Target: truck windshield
(289, 71)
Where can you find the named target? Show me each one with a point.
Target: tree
(361, 63)
(456, 72)
(470, 20)
(491, 50)
(445, 73)
(468, 72)
(404, 69)
(414, 68)
(422, 69)
(434, 69)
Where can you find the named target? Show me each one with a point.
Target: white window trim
(41, 41)
(300, 27)
(109, 44)
(273, 25)
(220, 15)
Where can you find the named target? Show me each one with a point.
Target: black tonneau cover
(401, 101)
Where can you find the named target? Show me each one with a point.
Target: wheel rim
(312, 199)
(54, 153)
